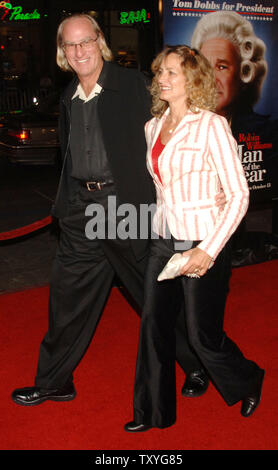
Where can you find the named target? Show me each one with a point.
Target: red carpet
(104, 379)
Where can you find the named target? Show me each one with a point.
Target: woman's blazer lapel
(179, 134)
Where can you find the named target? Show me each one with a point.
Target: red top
(157, 149)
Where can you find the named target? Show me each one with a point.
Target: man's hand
(220, 200)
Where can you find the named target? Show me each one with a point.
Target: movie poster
(246, 79)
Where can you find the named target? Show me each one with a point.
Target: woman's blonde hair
(200, 82)
(60, 56)
(233, 27)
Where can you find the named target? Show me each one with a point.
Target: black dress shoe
(30, 396)
(134, 427)
(195, 384)
(250, 403)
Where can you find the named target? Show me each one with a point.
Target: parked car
(31, 136)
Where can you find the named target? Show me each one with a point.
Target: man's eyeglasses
(86, 44)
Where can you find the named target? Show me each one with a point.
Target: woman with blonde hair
(190, 155)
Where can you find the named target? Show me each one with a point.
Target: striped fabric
(200, 158)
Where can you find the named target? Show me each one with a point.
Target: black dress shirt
(89, 159)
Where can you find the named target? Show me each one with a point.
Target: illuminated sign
(131, 17)
(16, 13)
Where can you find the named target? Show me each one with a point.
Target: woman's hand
(198, 263)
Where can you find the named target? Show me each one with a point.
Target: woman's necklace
(173, 126)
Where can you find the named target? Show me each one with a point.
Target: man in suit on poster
(238, 57)
(102, 117)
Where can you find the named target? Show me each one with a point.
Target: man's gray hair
(60, 56)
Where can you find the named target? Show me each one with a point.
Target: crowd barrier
(21, 231)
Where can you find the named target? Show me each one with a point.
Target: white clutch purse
(173, 267)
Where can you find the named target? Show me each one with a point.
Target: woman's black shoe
(250, 403)
(134, 427)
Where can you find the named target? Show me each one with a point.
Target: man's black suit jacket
(123, 107)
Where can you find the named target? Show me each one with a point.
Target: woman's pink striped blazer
(200, 158)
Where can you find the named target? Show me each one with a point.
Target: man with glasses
(102, 117)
